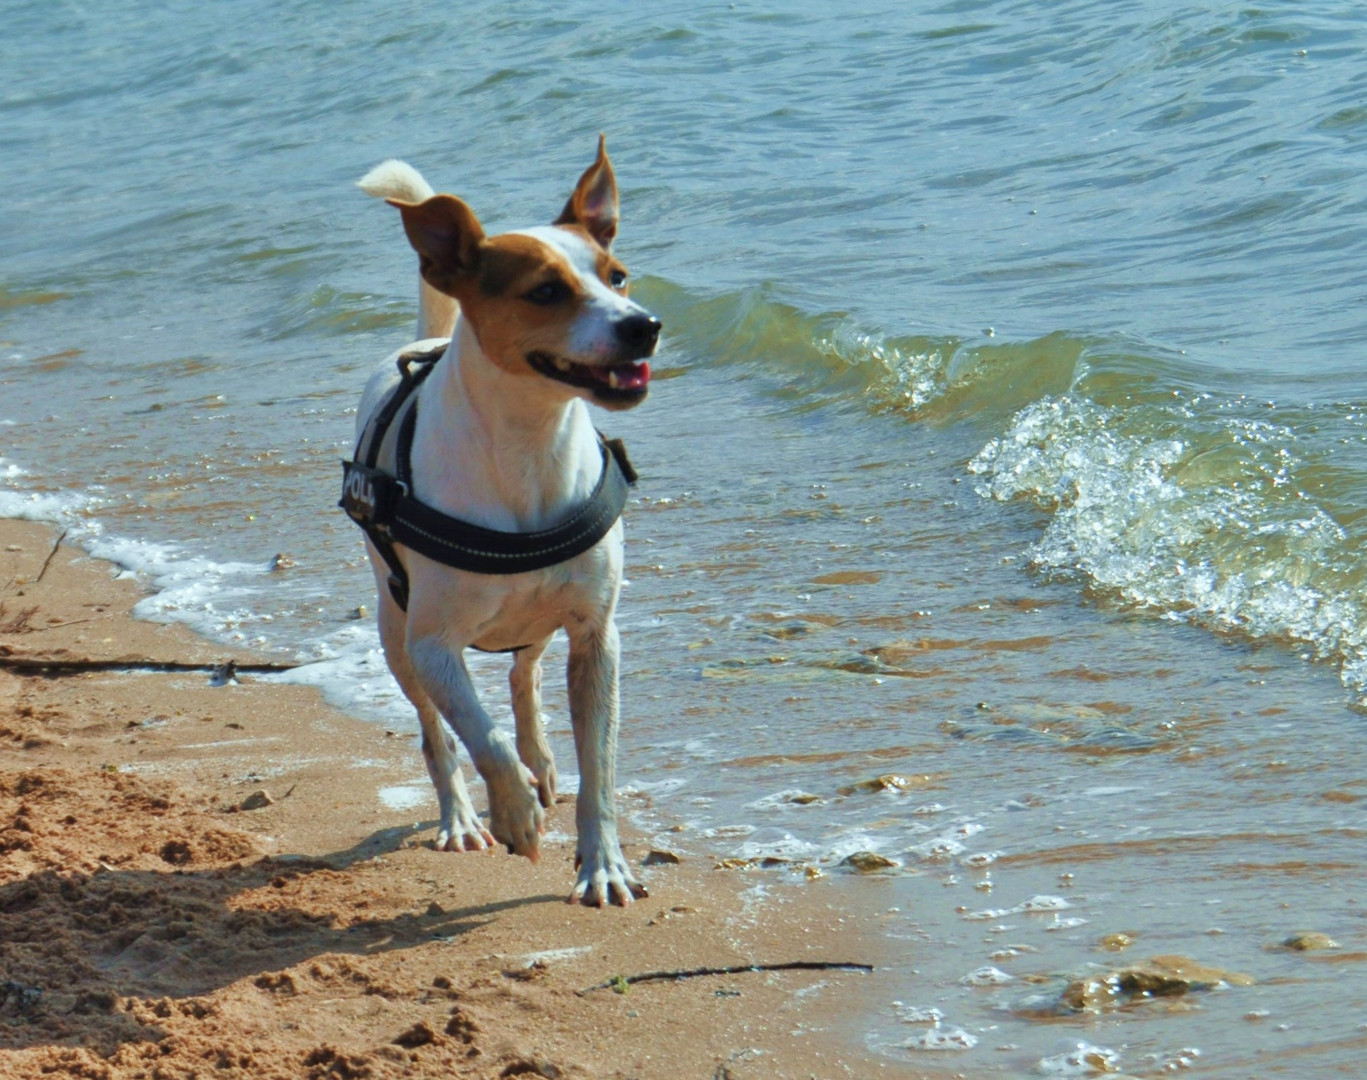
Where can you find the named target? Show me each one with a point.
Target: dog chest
(501, 613)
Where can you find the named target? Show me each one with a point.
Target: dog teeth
(561, 364)
(614, 381)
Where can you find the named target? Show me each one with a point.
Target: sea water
(1004, 478)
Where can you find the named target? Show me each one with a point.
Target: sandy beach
(203, 880)
(994, 600)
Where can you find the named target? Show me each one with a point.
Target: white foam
(909, 377)
(1043, 903)
(940, 849)
(766, 843)
(727, 832)
(917, 1014)
(778, 799)
(1208, 527)
(938, 1038)
(62, 507)
(208, 595)
(1083, 1059)
(1034, 905)
(987, 976)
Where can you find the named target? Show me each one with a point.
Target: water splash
(1200, 510)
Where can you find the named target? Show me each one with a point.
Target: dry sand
(151, 927)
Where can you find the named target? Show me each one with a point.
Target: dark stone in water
(868, 862)
(889, 782)
(1308, 941)
(1163, 976)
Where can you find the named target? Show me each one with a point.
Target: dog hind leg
(525, 682)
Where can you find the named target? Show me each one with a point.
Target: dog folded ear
(446, 235)
(594, 202)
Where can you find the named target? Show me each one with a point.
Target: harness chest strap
(384, 507)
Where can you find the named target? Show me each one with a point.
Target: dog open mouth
(627, 381)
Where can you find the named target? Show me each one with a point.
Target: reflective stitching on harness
(537, 553)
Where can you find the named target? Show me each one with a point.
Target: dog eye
(548, 293)
(617, 278)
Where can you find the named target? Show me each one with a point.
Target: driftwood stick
(54, 626)
(737, 969)
(75, 665)
(50, 556)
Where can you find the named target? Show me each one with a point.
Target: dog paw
(515, 815)
(605, 877)
(465, 837)
(460, 828)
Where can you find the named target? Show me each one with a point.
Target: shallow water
(1008, 440)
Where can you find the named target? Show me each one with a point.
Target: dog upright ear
(447, 237)
(594, 202)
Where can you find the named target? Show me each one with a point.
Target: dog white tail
(394, 179)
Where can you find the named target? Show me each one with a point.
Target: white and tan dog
(539, 323)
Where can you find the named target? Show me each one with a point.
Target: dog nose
(639, 332)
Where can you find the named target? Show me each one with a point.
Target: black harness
(384, 507)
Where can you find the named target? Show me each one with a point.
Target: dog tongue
(631, 376)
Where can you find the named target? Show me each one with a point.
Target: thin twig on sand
(50, 556)
(737, 969)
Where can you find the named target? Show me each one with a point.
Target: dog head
(548, 302)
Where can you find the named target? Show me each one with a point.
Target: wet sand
(205, 880)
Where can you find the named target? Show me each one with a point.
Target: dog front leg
(603, 871)
(515, 816)
(458, 827)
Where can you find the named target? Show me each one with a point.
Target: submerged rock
(868, 862)
(889, 782)
(753, 862)
(1308, 941)
(1163, 976)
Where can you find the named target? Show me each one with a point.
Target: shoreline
(199, 877)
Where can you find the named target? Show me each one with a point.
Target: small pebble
(868, 862)
(1309, 941)
(257, 800)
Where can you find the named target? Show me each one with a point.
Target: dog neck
(508, 452)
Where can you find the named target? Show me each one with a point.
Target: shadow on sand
(75, 946)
